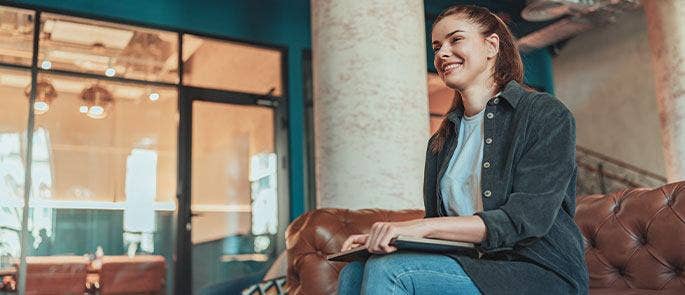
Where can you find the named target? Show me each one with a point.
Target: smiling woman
(500, 173)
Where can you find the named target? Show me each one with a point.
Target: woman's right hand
(354, 241)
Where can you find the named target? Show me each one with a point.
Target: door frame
(187, 95)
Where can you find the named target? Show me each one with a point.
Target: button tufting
(617, 208)
(643, 238)
(622, 271)
(592, 243)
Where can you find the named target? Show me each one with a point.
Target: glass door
(232, 185)
(233, 220)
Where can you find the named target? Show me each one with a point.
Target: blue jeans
(405, 273)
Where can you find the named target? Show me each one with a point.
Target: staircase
(599, 174)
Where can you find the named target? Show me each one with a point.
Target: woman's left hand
(382, 232)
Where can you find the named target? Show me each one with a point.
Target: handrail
(621, 163)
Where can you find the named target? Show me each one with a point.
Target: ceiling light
(110, 72)
(41, 107)
(97, 102)
(545, 10)
(46, 65)
(154, 96)
(45, 94)
(96, 112)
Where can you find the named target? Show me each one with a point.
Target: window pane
(104, 176)
(83, 45)
(16, 35)
(231, 66)
(13, 121)
(233, 191)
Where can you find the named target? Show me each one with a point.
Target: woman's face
(462, 56)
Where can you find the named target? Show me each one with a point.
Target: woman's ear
(492, 43)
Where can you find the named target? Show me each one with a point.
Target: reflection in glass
(234, 190)
(83, 45)
(104, 185)
(231, 66)
(16, 35)
(13, 120)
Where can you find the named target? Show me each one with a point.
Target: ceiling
(509, 10)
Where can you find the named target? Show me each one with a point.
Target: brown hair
(508, 64)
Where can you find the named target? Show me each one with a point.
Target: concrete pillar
(370, 102)
(666, 30)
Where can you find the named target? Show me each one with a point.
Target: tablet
(410, 244)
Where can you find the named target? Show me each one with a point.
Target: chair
(143, 274)
(56, 274)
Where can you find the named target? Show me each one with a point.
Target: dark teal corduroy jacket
(528, 193)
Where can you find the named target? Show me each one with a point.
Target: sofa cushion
(635, 238)
(634, 241)
(321, 232)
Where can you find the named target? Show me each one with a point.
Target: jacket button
(488, 140)
(487, 193)
(486, 165)
(496, 100)
(490, 115)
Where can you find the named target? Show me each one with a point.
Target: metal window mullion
(29, 157)
(183, 252)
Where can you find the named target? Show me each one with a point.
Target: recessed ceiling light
(41, 107)
(110, 72)
(154, 96)
(46, 65)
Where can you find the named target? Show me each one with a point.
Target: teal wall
(538, 69)
(283, 23)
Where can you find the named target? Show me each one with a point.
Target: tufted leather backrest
(318, 233)
(635, 238)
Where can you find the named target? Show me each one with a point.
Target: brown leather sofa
(634, 241)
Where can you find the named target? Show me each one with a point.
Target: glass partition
(16, 35)
(231, 66)
(109, 49)
(103, 175)
(13, 122)
(234, 195)
(103, 170)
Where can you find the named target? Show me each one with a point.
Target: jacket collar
(512, 93)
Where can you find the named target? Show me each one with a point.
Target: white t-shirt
(460, 185)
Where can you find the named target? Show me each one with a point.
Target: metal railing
(598, 173)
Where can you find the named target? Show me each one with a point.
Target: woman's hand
(382, 232)
(354, 241)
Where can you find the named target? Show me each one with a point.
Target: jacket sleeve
(429, 183)
(540, 180)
